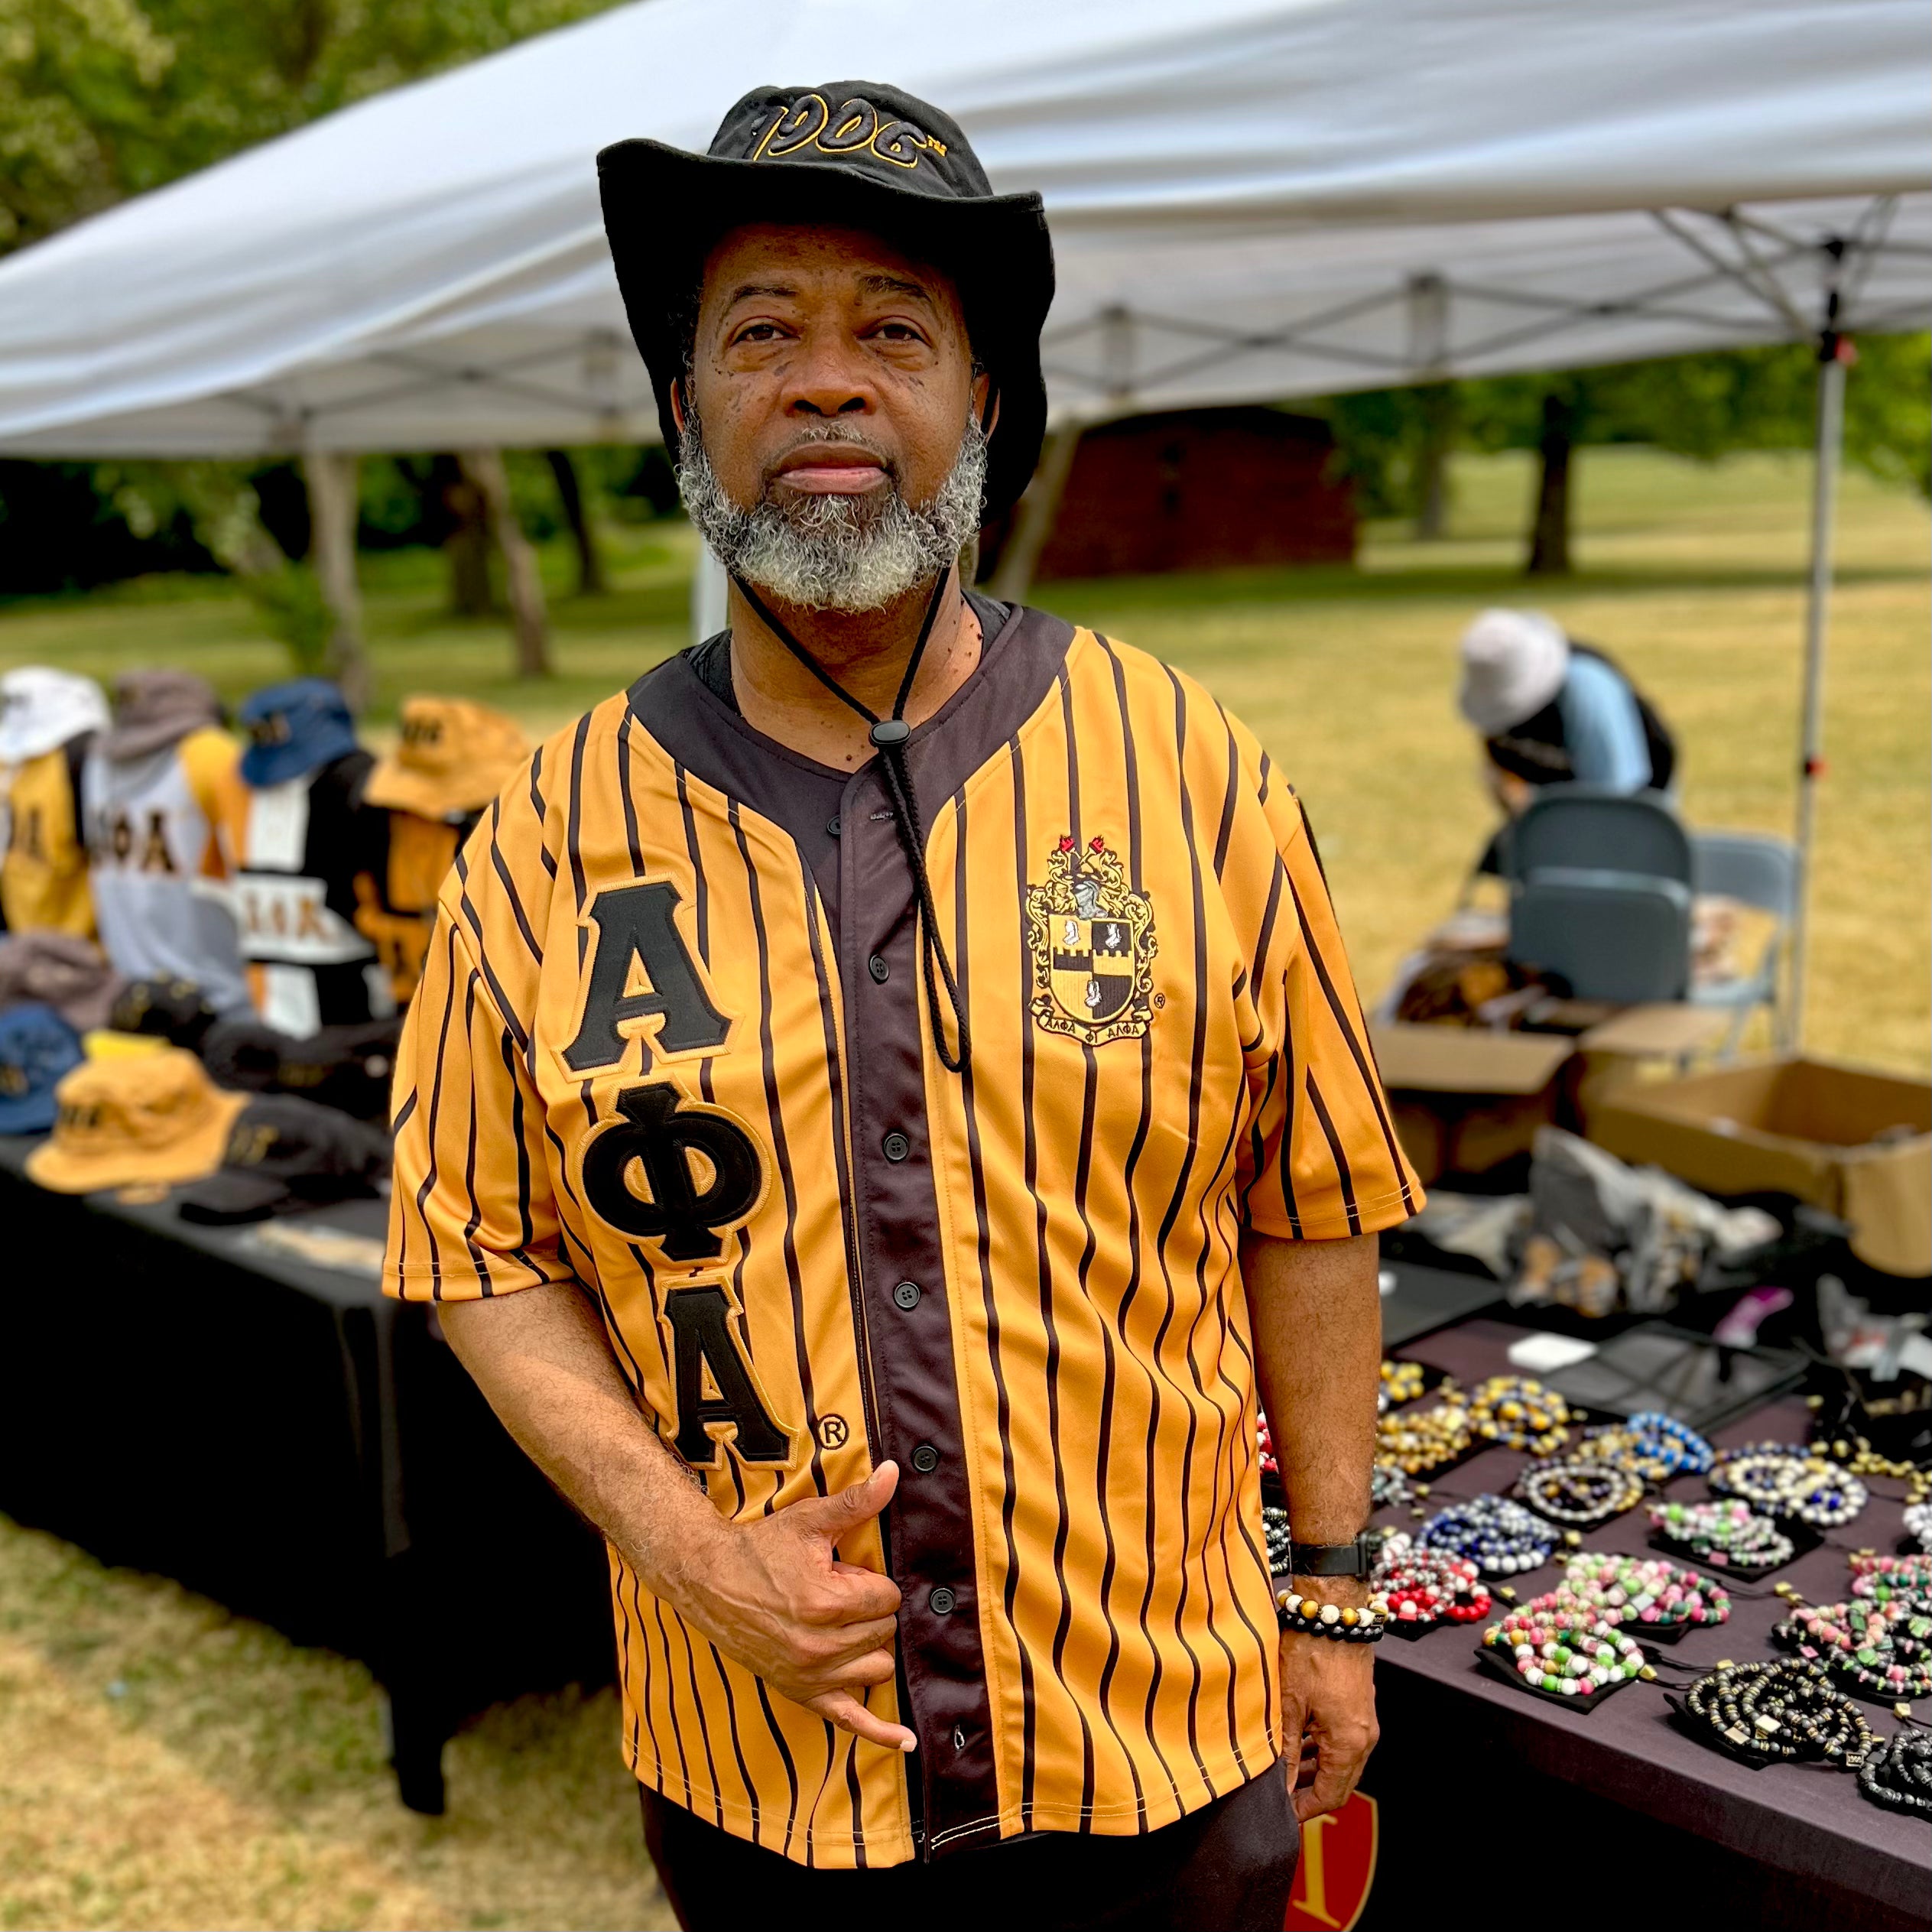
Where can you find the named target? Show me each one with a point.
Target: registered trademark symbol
(832, 1432)
(1160, 999)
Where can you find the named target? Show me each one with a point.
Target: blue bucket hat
(37, 1046)
(293, 729)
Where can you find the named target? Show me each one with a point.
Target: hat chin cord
(889, 736)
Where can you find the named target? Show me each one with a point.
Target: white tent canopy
(1248, 198)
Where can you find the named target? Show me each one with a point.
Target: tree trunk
(467, 546)
(1033, 516)
(331, 480)
(590, 566)
(528, 621)
(1549, 539)
(1438, 400)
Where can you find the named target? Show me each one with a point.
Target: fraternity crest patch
(1092, 939)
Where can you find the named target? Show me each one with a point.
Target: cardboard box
(1855, 1143)
(1464, 1100)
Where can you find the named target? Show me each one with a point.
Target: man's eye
(758, 332)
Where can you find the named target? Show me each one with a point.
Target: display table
(275, 1433)
(1472, 1770)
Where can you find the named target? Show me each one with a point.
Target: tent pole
(1834, 354)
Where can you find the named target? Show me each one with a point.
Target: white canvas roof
(1247, 199)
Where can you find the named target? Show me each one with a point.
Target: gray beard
(837, 552)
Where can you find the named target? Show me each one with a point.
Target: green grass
(163, 1764)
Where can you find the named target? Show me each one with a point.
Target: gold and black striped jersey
(671, 1043)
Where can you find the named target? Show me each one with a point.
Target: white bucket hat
(40, 707)
(1514, 664)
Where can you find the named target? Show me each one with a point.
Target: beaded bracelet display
(1265, 1446)
(1655, 1446)
(1858, 1456)
(1573, 1490)
(1862, 1646)
(1309, 1617)
(1401, 1381)
(1885, 1578)
(1278, 1536)
(1418, 1441)
(1567, 1653)
(1781, 1709)
(1728, 1534)
(1642, 1591)
(1784, 1482)
(1499, 1536)
(1918, 1524)
(1898, 1773)
(1388, 1488)
(1423, 1586)
(1516, 1412)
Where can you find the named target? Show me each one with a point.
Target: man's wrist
(1349, 1593)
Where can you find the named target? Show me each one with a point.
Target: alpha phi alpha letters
(670, 1170)
(1092, 939)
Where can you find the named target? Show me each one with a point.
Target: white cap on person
(1514, 664)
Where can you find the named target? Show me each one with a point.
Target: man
(900, 1056)
(1551, 711)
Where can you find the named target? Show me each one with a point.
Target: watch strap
(1356, 1559)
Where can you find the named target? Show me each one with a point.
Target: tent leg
(330, 476)
(1834, 355)
(1033, 521)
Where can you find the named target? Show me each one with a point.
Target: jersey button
(925, 1459)
(942, 1601)
(907, 1295)
(896, 1146)
(831, 825)
(877, 967)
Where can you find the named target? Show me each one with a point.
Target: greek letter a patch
(1092, 939)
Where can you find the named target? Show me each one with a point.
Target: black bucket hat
(860, 154)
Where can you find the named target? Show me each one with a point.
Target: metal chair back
(1587, 827)
(1613, 935)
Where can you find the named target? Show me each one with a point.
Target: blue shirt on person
(1602, 729)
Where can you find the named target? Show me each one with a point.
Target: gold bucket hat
(150, 1120)
(455, 756)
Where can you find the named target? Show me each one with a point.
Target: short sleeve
(1324, 1161)
(471, 1212)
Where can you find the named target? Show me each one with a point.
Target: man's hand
(1328, 1690)
(772, 1595)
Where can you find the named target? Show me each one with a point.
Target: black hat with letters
(284, 1155)
(856, 154)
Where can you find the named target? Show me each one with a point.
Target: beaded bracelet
(1898, 1773)
(1401, 1381)
(1573, 1490)
(1574, 1662)
(1499, 1536)
(1278, 1535)
(1784, 1482)
(1638, 1590)
(1656, 1446)
(1885, 1578)
(1781, 1709)
(1308, 1616)
(1516, 1412)
(1416, 1443)
(1728, 1534)
(1423, 1586)
(1918, 1524)
(1861, 1645)
(1388, 1488)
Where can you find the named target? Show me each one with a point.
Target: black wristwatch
(1356, 1559)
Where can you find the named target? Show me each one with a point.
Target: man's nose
(828, 377)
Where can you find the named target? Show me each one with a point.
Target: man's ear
(985, 404)
(678, 411)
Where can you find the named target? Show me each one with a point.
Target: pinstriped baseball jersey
(671, 1044)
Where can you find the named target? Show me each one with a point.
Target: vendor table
(1488, 1790)
(273, 1432)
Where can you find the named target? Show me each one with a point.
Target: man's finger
(844, 1511)
(1336, 1773)
(859, 1594)
(849, 1714)
(847, 1640)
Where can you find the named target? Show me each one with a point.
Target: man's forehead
(783, 259)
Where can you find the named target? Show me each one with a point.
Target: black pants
(1227, 1868)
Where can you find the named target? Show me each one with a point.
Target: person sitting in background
(48, 719)
(154, 784)
(1554, 712)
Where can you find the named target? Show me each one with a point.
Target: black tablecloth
(1479, 1760)
(276, 1434)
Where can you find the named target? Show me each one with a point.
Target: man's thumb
(846, 1509)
